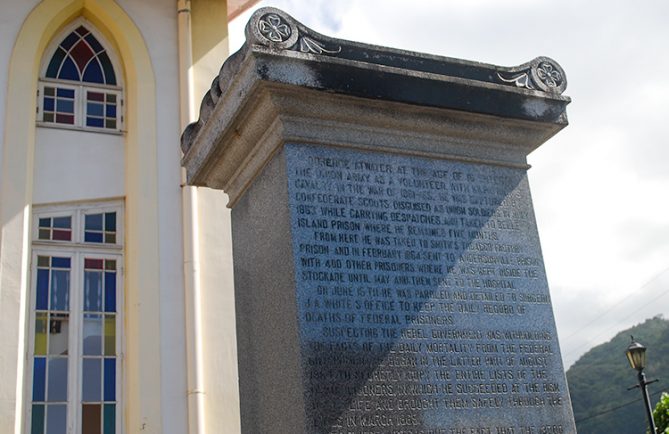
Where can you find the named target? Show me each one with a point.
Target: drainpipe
(191, 249)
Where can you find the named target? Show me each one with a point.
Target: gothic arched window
(79, 86)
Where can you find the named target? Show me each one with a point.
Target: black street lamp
(636, 354)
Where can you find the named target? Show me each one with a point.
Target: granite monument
(388, 271)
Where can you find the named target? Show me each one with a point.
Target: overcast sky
(601, 186)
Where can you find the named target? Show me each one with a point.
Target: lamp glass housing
(636, 355)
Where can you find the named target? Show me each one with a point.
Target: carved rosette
(543, 73)
(276, 29)
(548, 75)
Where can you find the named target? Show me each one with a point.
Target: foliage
(661, 414)
(599, 380)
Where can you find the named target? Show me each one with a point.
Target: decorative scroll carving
(276, 29)
(542, 74)
(520, 80)
(308, 45)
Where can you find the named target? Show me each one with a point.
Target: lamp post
(636, 355)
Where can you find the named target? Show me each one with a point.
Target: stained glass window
(80, 86)
(75, 306)
(58, 105)
(98, 394)
(100, 228)
(51, 344)
(101, 109)
(81, 57)
(55, 228)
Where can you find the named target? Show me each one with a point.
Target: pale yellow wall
(210, 49)
(142, 362)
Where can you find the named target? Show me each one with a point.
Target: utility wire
(592, 416)
(607, 311)
(573, 350)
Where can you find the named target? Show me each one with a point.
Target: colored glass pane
(61, 235)
(42, 289)
(48, 117)
(62, 222)
(110, 238)
(56, 419)
(39, 378)
(91, 419)
(93, 73)
(110, 264)
(41, 321)
(96, 96)
(57, 262)
(91, 387)
(44, 234)
(109, 418)
(110, 111)
(69, 41)
(95, 45)
(93, 222)
(54, 64)
(65, 93)
(93, 237)
(110, 335)
(82, 54)
(111, 98)
(93, 291)
(96, 123)
(59, 326)
(110, 123)
(110, 76)
(68, 70)
(110, 292)
(94, 109)
(93, 264)
(57, 380)
(92, 335)
(65, 106)
(37, 419)
(49, 104)
(110, 221)
(42, 261)
(110, 379)
(65, 119)
(60, 289)
(81, 30)
(49, 91)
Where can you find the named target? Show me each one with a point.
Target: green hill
(598, 381)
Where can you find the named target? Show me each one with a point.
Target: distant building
(116, 303)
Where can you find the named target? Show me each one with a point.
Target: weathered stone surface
(422, 298)
(388, 272)
(276, 84)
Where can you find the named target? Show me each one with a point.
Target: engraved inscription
(423, 301)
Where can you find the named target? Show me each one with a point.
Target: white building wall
(77, 165)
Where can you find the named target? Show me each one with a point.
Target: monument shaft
(388, 271)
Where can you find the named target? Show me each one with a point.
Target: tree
(661, 414)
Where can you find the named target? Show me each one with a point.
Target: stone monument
(388, 272)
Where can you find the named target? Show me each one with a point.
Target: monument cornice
(289, 84)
